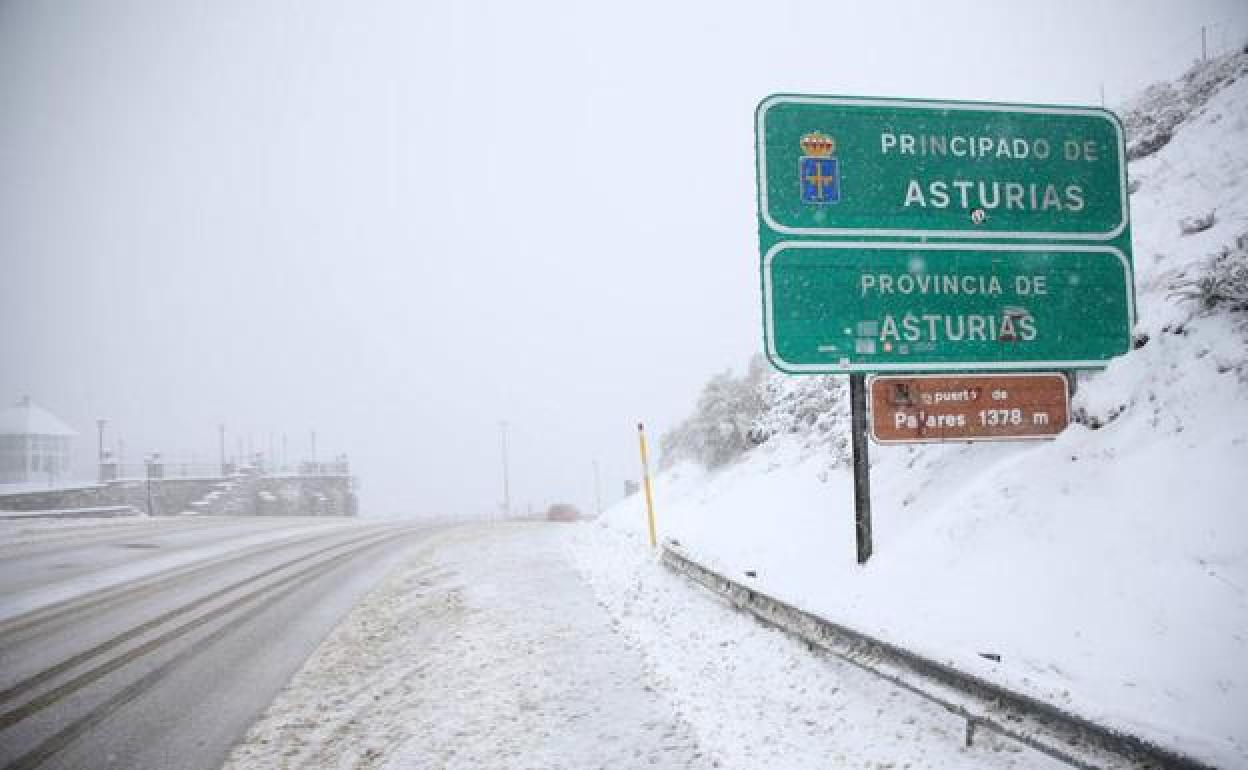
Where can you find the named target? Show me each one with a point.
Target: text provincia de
(1011, 324)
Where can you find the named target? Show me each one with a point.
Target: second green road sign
(850, 306)
(912, 235)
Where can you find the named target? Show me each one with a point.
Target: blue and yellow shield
(821, 180)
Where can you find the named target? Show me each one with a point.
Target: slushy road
(154, 643)
(515, 645)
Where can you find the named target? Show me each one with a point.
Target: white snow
(1108, 568)
(487, 650)
(762, 699)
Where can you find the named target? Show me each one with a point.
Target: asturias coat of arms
(820, 172)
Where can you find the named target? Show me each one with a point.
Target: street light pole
(148, 461)
(100, 422)
(506, 480)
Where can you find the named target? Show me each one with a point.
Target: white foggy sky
(399, 223)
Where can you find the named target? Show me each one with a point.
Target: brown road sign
(968, 407)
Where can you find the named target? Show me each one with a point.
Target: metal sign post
(862, 466)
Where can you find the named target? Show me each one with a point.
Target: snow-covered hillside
(1109, 568)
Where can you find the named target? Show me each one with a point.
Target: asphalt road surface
(156, 643)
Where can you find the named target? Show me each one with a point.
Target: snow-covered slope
(1109, 568)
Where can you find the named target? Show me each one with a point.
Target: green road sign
(840, 306)
(834, 166)
(913, 235)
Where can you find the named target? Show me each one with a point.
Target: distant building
(34, 444)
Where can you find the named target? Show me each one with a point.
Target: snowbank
(1109, 568)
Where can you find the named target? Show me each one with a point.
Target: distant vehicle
(563, 512)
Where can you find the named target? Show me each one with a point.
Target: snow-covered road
(543, 646)
(485, 650)
(154, 643)
(48, 561)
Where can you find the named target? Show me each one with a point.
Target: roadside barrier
(1044, 727)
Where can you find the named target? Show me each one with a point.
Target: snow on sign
(925, 236)
(968, 407)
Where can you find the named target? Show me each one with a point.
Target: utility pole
(1204, 50)
(150, 461)
(100, 422)
(221, 431)
(506, 476)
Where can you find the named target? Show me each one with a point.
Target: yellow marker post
(645, 476)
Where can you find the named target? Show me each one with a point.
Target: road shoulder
(484, 649)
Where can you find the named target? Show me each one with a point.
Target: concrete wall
(305, 496)
(241, 495)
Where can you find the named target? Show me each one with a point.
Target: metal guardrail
(1044, 727)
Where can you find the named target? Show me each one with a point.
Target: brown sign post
(968, 407)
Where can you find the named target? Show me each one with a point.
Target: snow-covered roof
(27, 419)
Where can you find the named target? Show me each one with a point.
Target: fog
(398, 224)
